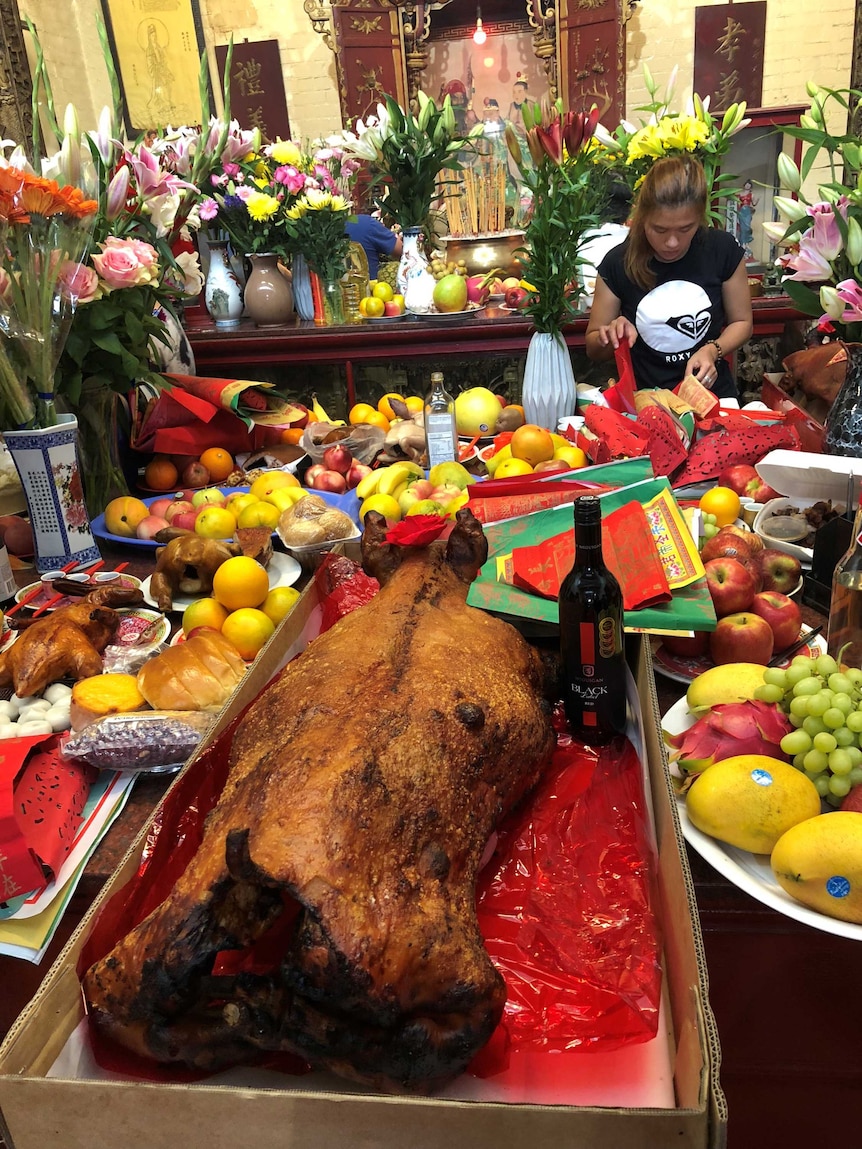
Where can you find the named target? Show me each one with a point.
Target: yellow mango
(734, 682)
(750, 800)
(819, 863)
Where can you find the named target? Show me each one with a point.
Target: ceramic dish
(749, 872)
(136, 621)
(685, 670)
(445, 316)
(804, 554)
(48, 593)
(282, 570)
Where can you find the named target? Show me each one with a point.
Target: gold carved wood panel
(369, 55)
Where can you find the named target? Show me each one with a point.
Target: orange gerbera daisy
(46, 197)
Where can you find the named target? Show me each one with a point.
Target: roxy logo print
(673, 318)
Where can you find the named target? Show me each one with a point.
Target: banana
(320, 415)
(392, 477)
(368, 485)
(399, 490)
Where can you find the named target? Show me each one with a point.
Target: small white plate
(124, 580)
(751, 873)
(135, 621)
(282, 571)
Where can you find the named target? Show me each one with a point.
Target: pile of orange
(163, 473)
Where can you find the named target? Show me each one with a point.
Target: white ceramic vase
(548, 393)
(47, 462)
(222, 292)
(414, 279)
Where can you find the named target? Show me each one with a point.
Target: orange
(204, 612)
(375, 419)
(385, 408)
(259, 514)
(248, 630)
(291, 435)
(160, 474)
(218, 462)
(512, 467)
(240, 582)
(414, 404)
(723, 503)
(532, 443)
(383, 292)
(279, 602)
(371, 307)
(572, 455)
(359, 413)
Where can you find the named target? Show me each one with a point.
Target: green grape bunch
(824, 704)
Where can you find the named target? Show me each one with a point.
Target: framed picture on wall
(157, 45)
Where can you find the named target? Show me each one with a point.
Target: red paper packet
(621, 396)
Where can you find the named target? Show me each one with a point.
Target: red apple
(779, 571)
(332, 481)
(311, 474)
(552, 465)
(725, 544)
(179, 507)
(337, 458)
(745, 480)
(160, 506)
(684, 647)
(730, 584)
(147, 527)
(502, 400)
(515, 297)
(356, 474)
(195, 475)
(742, 637)
(749, 538)
(782, 614)
(392, 308)
(185, 520)
(853, 801)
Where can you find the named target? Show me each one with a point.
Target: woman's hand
(703, 365)
(613, 333)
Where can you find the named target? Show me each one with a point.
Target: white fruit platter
(751, 873)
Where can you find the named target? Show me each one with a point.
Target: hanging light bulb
(480, 35)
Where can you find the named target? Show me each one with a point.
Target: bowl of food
(790, 524)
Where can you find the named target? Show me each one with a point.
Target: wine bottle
(591, 635)
(441, 436)
(844, 634)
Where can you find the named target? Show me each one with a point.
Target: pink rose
(77, 281)
(125, 263)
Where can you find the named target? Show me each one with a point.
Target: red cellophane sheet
(564, 903)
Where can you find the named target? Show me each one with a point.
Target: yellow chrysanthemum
(285, 152)
(317, 199)
(297, 211)
(339, 203)
(261, 207)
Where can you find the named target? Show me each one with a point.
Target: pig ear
(467, 547)
(380, 559)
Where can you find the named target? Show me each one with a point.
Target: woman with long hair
(676, 289)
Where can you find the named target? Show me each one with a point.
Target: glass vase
(102, 473)
(328, 301)
(47, 461)
(548, 393)
(268, 293)
(844, 421)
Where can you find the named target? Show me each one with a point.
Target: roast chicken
(363, 786)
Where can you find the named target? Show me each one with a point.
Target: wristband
(719, 354)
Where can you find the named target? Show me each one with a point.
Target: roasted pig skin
(364, 783)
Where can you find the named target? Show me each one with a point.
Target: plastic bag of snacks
(149, 740)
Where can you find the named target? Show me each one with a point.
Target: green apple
(209, 496)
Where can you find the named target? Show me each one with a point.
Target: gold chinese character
(255, 118)
(248, 75)
(728, 44)
(729, 89)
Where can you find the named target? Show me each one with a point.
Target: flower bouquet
(631, 150)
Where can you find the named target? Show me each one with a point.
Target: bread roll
(198, 674)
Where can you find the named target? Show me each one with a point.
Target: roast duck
(363, 786)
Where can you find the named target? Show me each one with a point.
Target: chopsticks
(35, 593)
(92, 570)
(466, 451)
(803, 640)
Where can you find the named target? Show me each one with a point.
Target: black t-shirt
(682, 312)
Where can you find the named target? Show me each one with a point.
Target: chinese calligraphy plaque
(257, 97)
(728, 53)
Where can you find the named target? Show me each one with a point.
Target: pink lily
(118, 190)
(850, 292)
(807, 263)
(826, 236)
(153, 180)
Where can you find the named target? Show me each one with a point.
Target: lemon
(285, 497)
(279, 602)
(750, 800)
(385, 505)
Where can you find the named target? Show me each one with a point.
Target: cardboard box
(41, 1112)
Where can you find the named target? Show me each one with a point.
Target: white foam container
(803, 479)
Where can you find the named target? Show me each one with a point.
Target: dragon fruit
(729, 729)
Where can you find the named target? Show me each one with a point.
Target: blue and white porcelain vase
(47, 462)
(414, 280)
(222, 291)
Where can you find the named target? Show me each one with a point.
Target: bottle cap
(588, 509)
